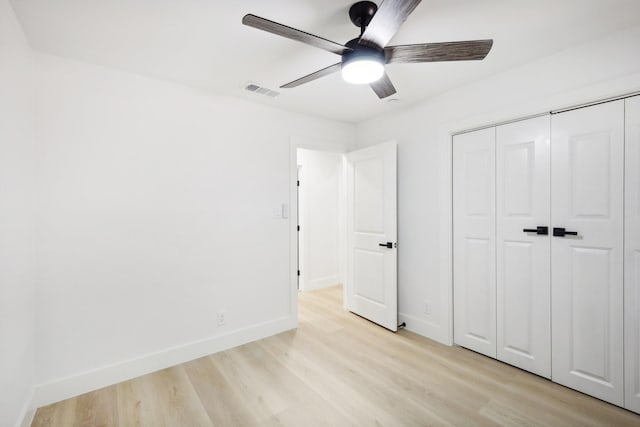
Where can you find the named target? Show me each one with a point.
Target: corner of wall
(28, 411)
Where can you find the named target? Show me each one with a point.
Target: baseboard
(28, 418)
(324, 282)
(64, 388)
(425, 328)
(25, 418)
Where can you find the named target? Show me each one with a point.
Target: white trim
(425, 328)
(28, 418)
(343, 232)
(446, 237)
(552, 112)
(64, 388)
(28, 411)
(299, 234)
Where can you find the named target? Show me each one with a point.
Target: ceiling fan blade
(435, 52)
(293, 34)
(313, 76)
(383, 87)
(386, 22)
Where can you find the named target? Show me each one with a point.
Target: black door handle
(561, 232)
(386, 245)
(541, 230)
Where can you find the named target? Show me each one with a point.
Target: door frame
(317, 145)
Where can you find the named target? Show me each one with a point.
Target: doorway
(344, 227)
(320, 219)
(303, 279)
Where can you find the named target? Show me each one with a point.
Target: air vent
(255, 88)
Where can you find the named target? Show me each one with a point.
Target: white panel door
(371, 285)
(523, 250)
(587, 172)
(474, 272)
(632, 251)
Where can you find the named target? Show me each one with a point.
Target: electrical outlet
(222, 318)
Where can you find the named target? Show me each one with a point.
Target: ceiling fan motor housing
(362, 52)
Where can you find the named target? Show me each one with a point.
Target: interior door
(523, 244)
(587, 173)
(632, 259)
(474, 249)
(371, 282)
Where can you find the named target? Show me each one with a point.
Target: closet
(546, 259)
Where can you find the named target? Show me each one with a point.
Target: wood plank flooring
(337, 370)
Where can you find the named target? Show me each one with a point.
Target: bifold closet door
(632, 260)
(523, 245)
(474, 241)
(587, 174)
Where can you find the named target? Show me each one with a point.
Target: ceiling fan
(364, 58)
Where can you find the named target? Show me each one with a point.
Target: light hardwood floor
(337, 370)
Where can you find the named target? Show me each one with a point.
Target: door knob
(386, 245)
(561, 232)
(541, 230)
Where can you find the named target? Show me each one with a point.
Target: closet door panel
(587, 268)
(632, 251)
(523, 264)
(474, 241)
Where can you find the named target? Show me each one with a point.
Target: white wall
(599, 69)
(320, 218)
(17, 256)
(160, 206)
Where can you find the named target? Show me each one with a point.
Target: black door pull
(386, 245)
(561, 232)
(541, 230)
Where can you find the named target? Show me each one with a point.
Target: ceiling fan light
(362, 71)
(362, 64)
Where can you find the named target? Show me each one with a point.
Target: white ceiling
(202, 43)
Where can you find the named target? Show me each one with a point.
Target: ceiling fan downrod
(361, 14)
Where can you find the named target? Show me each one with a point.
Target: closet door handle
(386, 245)
(540, 230)
(561, 232)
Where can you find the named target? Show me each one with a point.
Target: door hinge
(298, 183)
(298, 272)
(298, 228)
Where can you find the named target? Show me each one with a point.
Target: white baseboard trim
(64, 388)
(323, 282)
(425, 328)
(25, 418)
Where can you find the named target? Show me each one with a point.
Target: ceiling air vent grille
(255, 88)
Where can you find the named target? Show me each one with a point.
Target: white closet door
(587, 173)
(523, 263)
(632, 239)
(474, 241)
